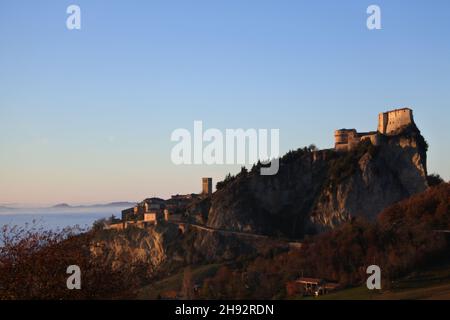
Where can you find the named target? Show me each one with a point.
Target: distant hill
(4, 208)
(61, 205)
(111, 204)
(115, 204)
(65, 207)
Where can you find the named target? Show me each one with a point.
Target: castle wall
(348, 139)
(388, 123)
(391, 121)
(372, 136)
(116, 226)
(382, 122)
(150, 217)
(353, 140)
(342, 137)
(341, 147)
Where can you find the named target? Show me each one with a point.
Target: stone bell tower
(206, 186)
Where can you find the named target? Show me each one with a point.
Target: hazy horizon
(56, 205)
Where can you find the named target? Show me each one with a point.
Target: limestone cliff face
(314, 191)
(272, 205)
(149, 247)
(394, 171)
(163, 249)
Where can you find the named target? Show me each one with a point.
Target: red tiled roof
(309, 280)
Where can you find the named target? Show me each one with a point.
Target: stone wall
(348, 139)
(342, 138)
(391, 121)
(115, 226)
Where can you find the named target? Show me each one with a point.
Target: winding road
(291, 243)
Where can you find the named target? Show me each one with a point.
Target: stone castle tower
(206, 186)
(389, 123)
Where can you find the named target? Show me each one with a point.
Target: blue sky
(86, 115)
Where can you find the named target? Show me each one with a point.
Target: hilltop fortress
(389, 123)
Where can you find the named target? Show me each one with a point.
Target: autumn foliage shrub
(33, 265)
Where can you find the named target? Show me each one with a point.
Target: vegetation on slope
(33, 265)
(404, 239)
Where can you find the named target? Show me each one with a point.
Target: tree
(243, 172)
(434, 180)
(312, 147)
(187, 291)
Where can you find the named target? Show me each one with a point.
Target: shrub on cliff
(434, 180)
(344, 165)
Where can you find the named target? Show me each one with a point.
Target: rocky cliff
(148, 247)
(317, 190)
(380, 176)
(312, 192)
